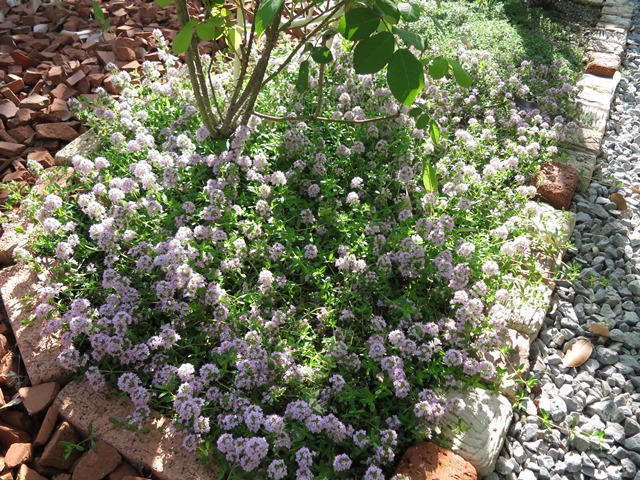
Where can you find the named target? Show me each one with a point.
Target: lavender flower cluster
(296, 299)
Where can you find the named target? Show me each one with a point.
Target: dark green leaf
(434, 131)
(209, 30)
(106, 25)
(439, 68)
(410, 12)
(182, 40)
(429, 178)
(302, 84)
(373, 53)
(410, 38)
(422, 121)
(405, 76)
(358, 23)
(389, 8)
(437, 24)
(462, 77)
(266, 13)
(415, 111)
(321, 55)
(164, 3)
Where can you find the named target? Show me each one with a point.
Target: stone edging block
(39, 352)
(155, 448)
(485, 422)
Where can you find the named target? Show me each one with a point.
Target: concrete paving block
(484, 422)
(528, 306)
(595, 98)
(585, 163)
(18, 288)
(602, 34)
(85, 145)
(601, 84)
(592, 116)
(155, 447)
(16, 235)
(622, 22)
(585, 140)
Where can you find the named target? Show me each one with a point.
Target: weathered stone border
(488, 414)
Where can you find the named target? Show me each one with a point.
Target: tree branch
(305, 118)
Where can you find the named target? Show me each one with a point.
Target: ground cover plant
(298, 297)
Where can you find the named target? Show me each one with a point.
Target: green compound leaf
(410, 38)
(405, 76)
(321, 55)
(410, 12)
(439, 68)
(429, 178)
(373, 53)
(358, 23)
(266, 13)
(182, 40)
(462, 77)
(209, 30)
(302, 83)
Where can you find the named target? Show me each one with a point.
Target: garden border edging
(480, 444)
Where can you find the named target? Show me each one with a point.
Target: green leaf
(415, 111)
(422, 121)
(321, 55)
(106, 25)
(410, 38)
(358, 23)
(462, 77)
(434, 131)
(182, 40)
(98, 14)
(429, 178)
(439, 68)
(405, 76)
(164, 3)
(266, 13)
(234, 37)
(302, 83)
(209, 30)
(410, 12)
(373, 53)
(389, 8)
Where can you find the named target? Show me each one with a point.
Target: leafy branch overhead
(375, 29)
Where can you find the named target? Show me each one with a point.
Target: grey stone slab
(153, 447)
(585, 140)
(19, 290)
(611, 26)
(528, 304)
(85, 145)
(485, 422)
(16, 235)
(517, 356)
(604, 35)
(585, 163)
(593, 116)
(596, 98)
(618, 21)
(600, 84)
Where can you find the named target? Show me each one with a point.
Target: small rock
(35, 102)
(47, 426)
(10, 149)
(57, 131)
(122, 471)
(36, 399)
(53, 454)
(10, 435)
(94, 465)
(633, 443)
(18, 454)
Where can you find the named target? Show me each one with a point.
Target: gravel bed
(582, 423)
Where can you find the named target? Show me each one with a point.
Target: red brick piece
(36, 399)
(23, 134)
(556, 183)
(122, 471)
(603, 64)
(53, 454)
(26, 473)
(9, 436)
(57, 131)
(428, 461)
(94, 465)
(18, 454)
(48, 424)
(8, 149)
(43, 157)
(7, 109)
(35, 102)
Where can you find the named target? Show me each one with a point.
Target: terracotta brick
(43, 157)
(56, 75)
(8, 149)
(75, 78)
(9, 436)
(9, 95)
(23, 134)
(123, 470)
(16, 85)
(35, 102)
(556, 184)
(25, 473)
(7, 109)
(18, 420)
(53, 454)
(96, 464)
(428, 461)
(603, 64)
(63, 91)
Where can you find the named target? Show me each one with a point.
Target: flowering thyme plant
(294, 298)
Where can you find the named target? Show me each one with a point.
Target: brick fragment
(10, 435)
(556, 184)
(47, 426)
(26, 473)
(96, 464)
(8, 149)
(17, 454)
(23, 134)
(53, 454)
(35, 102)
(603, 64)
(42, 156)
(8, 109)
(35, 399)
(63, 91)
(429, 461)
(56, 131)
